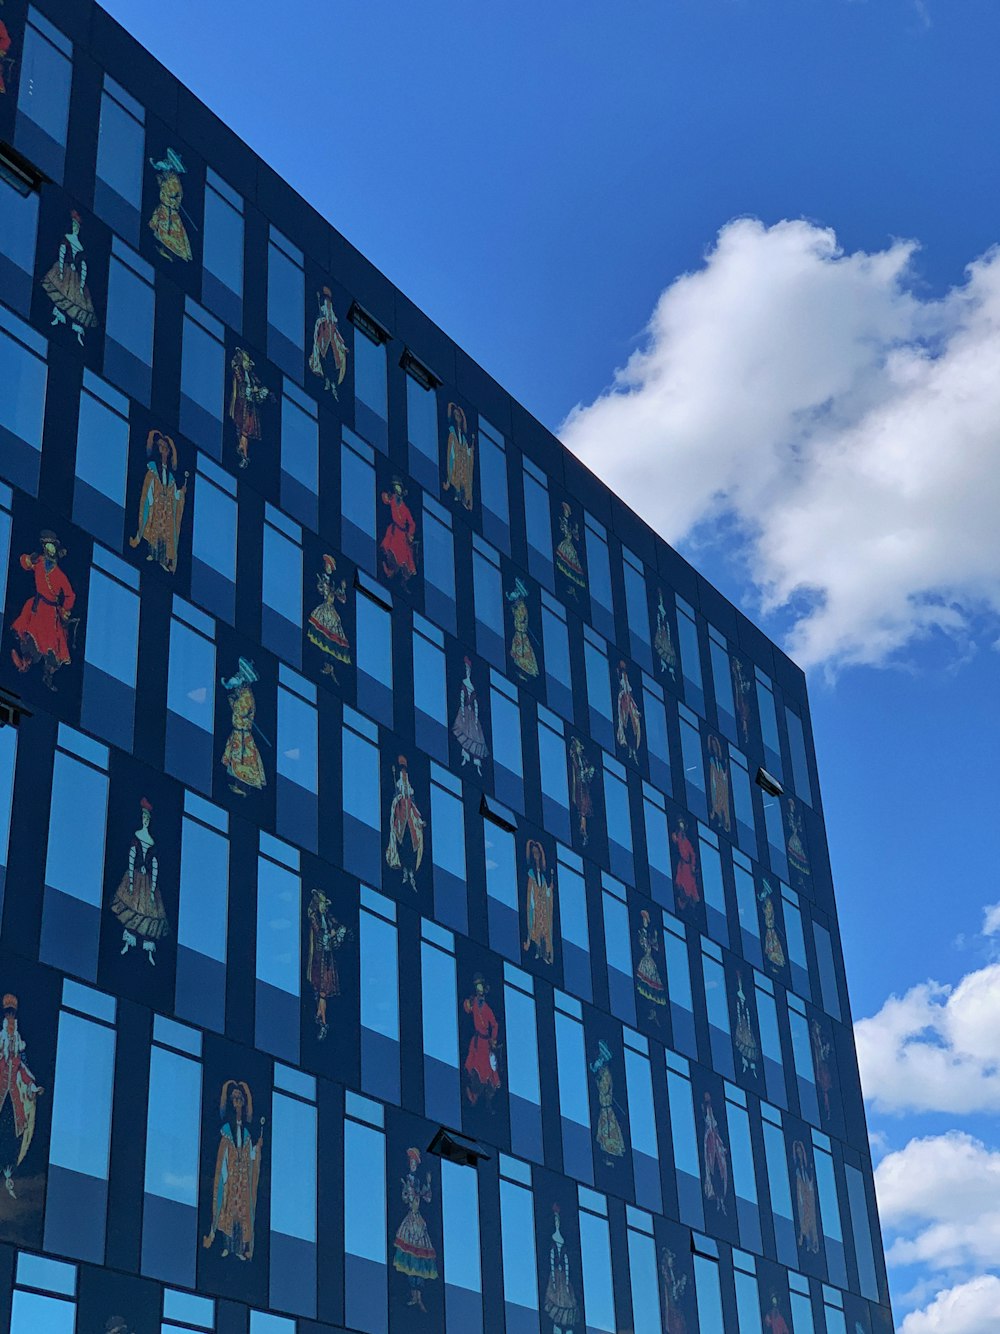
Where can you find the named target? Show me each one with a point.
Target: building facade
(416, 905)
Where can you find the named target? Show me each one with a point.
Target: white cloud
(848, 426)
(968, 1308)
(936, 1048)
(939, 1198)
(991, 920)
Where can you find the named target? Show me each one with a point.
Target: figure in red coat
(774, 1321)
(482, 1065)
(41, 626)
(399, 540)
(685, 874)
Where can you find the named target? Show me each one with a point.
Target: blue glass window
(719, 1033)
(300, 455)
(191, 696)
(279, 895)
(508, 768)
(362, 799)
(488, 598)
(722, 680)
(646, 1317)
(746, 903)
(213, 547)
(706, 1283)
(203, 916)
(554, 776)
(379, 999)
(374, 657)
(524, 1089)
(370, 372)
(595, 655)
(357, 499)
(297, 760)
(538, 524)
(747, 1301)
(739, 782)
(829, 1212)
(294, 1143)
(656, 736)
(657, 847)
(439, 995)
(827, 970)
(637, 610)
(203, 374)
(462, 1265)
(779, 1190)
(857, 1199)
(690, 655)
(43, 96)
(744, 1174)
(618, 952)
(574, 925)
(574, 1091)
(281, 587)
(800, 761)
(101, 460)
(112, 649)
(501, 890)
(598, 1284)
(24, 375)
(222, 280)
(448, 823)
(678, 966)
(555, 641)
(365, 1298)
(128, 343)
(520, 1285)
(687, 1164)
(712, 883)
(642, 1124)
(770, 1042)
(8, 757)
(120, 152)
(173, 1134)
(599, 578)
(430, 697)
(422, 430)
(694, 764)
(439, 566)
(768, 724)
(18, 234)
(493, 475)
(616, 805)
(286, 304)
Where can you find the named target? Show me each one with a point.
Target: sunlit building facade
(416, 909)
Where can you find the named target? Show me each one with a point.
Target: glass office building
(416, 909)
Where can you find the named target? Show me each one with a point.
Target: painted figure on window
(609, 1132)
(138, 902)
(399, 542)
(414, 1255)
(715, 1184)
(461, 451)
(46, 617)
(117, 1324)
(718, 785)
(805, 1199)
(581, 775)
(6, 59)
(539, 907)
(167, 224)
(326, 629)
(467, 729)
(65, 284)
(237, 1173)
(672, 1286)
(161, 504)
(744, 1038)
(774, 1321)
(560, 1303)
(521, 651)
(482, 1059)
(686, 890)
(18, 1096)
(822, 1051)
(663, 641)
(774, 951)
(327, 937)
(405, 849)
(567, 556)
(798, 858)
(648, 982)
(241, 758)
(247, 394)
(328, 358)
(629, 732)
(742, 686)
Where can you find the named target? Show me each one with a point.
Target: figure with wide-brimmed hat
(41, 628)
(241, 758)
(328, 342)
(161, 503)
(166, 223)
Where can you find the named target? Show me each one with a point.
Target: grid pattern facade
(416, 909)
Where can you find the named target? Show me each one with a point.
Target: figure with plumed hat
(166, 224)
(42, 625)
(326, 628)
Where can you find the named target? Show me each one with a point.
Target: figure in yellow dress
(539, 904)
(166, 224)
(461, 457)
(237, 1174)
(608, 1133)
(414, 1255)
(161, 504)
(241, 758)
(326, 629)
(521, 651)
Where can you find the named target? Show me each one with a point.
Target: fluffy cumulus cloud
(967, 1308)
(991, 920)
(845, 424)
(936, 1048)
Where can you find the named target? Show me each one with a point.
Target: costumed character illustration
(581, 775)
(241, 758)
(742, 687)
(774, 1321)
(567, 556)
(744, 1038)
(328, 342)
(715, 1184)
(405, 850)
(325, 628)
(6, 59)
(539, 903)
(822, 1051)
(45, 617)
(648, 982)
(629, 733)
(663, 641)
(672, 1286)
(467, 729)
(773, 949)
(327, 937)
(399, 541)
(482, 1057)
(237, 1174)
(166, 223)
(685, 876)
(65, 284)
(560, 1304)
(138, 902)
(718, 783)
(161, 504)
(414, 1255)
(247, 394)
(795, 840)
(461, 452)
(609, 1132)
(805, 1199)
(521, 651)
(19, 1093)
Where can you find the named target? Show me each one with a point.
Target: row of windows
(240, 1160)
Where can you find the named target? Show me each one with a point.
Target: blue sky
(538, 177)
